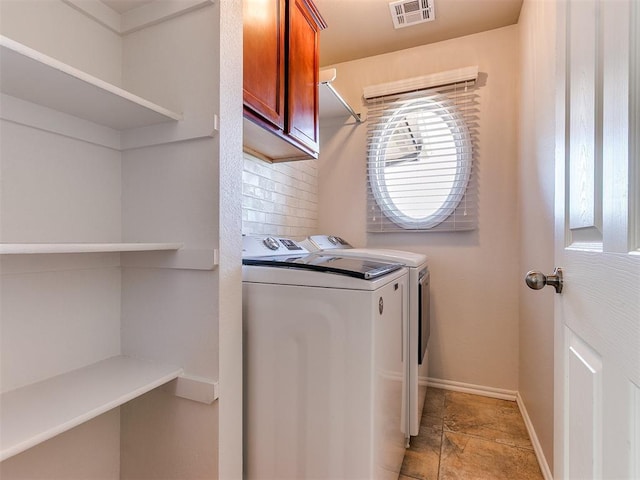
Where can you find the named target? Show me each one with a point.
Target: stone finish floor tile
(465, 457)
(422, 459)
(469, 437)
(489, 418)
(434, 403)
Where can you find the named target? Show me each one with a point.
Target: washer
(323, 363)
(418, 304)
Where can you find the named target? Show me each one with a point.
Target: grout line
(408, 476)
(528, 449)
(492, 440)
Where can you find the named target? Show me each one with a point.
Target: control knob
(271, 243)
(335, 240)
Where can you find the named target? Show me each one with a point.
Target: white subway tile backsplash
(279, 198)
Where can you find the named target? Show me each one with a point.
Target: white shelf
(36, 248)
(30, 75)
(332, 104)
(38, 412)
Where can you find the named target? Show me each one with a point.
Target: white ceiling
(362, 28)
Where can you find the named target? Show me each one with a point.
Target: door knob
(537, 280)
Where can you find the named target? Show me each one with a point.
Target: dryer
(418, 306)
(323, 363)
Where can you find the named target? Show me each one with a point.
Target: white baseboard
(537, 448)
(501, 394)
(492, 392)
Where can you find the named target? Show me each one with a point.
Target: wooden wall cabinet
(281, 65)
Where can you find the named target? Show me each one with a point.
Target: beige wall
(475, 275)
(90, 451)
(535, 205)
(157, 435)
(165, 437)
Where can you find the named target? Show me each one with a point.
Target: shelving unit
(48, 95)
(38, 412)
(24, 71)
(77, 94)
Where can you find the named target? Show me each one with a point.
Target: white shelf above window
(38, 412)
(30, 75)
(332, 104)
(38, 248)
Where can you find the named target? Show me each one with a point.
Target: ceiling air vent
(411, 12)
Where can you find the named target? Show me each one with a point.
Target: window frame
(376, 159)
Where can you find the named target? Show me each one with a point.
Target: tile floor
(469, 437)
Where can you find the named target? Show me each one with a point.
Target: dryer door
(424, 323)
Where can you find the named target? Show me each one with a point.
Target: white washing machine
(323, 364)
(418, 304)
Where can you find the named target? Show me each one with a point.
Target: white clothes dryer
(323, 363)
(418, 305)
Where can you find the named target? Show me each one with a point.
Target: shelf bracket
(326, 77)
(195, 388)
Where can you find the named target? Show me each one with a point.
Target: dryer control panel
(315, 243)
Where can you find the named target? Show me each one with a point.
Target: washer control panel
(271, 243)
(262, 246)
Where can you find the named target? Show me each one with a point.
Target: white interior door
(597, 316)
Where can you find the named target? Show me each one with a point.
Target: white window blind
(421, 156)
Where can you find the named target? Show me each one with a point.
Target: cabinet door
(303, 58)
(264, 59)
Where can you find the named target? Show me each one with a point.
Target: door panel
(598, 314)
(584, 377)
(264, 59)
(304, 66)
(585, 163)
